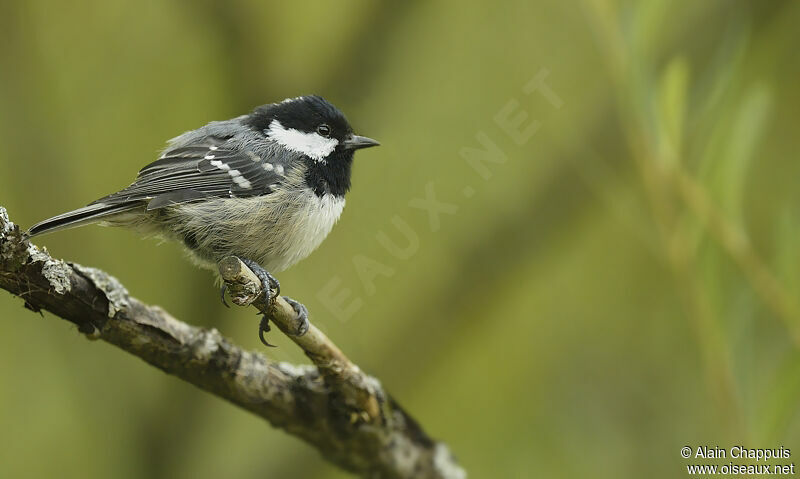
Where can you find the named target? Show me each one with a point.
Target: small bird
(266, 187)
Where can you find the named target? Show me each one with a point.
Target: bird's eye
(324, 130)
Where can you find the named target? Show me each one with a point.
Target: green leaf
(672, 92)
(746, 131)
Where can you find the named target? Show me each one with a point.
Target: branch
(333, 405)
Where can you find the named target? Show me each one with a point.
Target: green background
(622, 285)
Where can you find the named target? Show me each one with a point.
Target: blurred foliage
(624, 284)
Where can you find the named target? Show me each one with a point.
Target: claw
(222, 294)
(275, 286)
(264, 328)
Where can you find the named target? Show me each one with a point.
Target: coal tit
(266, 187)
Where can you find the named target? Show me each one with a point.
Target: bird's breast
(276, 230)
(294, 224)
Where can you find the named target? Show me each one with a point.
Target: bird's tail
(82, 216)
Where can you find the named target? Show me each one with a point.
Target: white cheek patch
(310, 144)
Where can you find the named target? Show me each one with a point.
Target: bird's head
(311, 126)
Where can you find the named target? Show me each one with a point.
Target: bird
(266, 187)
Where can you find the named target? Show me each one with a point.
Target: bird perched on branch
(266, 187)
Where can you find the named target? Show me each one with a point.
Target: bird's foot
(271, 286)
(301, 321)
(272, 289)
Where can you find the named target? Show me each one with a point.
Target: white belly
(275, 230)
(302, 224)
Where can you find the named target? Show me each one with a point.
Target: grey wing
(197, 166)
(204, 168)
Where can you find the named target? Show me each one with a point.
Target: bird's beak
(356, 142)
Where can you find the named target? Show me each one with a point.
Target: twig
(334, 406)
(359, 391)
